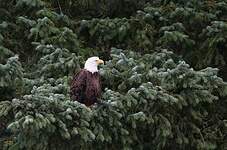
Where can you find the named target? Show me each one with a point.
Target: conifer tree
(157, 101)
(158, 91)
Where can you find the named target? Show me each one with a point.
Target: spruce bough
(154, 101)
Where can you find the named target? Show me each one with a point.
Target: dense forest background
(162, 80)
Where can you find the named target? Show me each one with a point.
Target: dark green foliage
(94, 8)
(56, 61)
(152, 98)
(215, 44)
(185, 27)
(118, 32)
(178, 26)
(10, 77)
(173, 108)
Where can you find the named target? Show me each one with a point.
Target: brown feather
(85, 87)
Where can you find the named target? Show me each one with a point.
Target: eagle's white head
(92, 64)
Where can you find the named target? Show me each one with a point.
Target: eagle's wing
(78, 86)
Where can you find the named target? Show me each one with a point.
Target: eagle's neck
(91, 67)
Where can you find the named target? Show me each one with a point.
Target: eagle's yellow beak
(99, 61)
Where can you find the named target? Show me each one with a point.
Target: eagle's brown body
(85, 87)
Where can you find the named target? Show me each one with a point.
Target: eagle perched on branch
(85, 86)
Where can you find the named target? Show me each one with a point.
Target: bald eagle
(85, 86)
